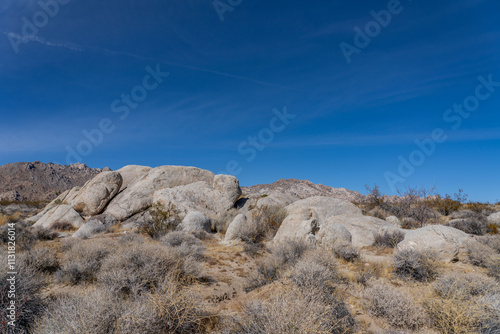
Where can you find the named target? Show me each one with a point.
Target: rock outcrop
(195, 193)
(446, 242)
(64, 214)
(95, 225)
(96, 193)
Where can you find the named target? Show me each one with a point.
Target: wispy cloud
(27, 39)
(77, 47)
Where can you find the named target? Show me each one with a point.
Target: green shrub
(164, 218)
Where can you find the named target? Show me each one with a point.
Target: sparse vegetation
(81, 262)
(388, 238)
(291, 312)
(164, 218)
(28, 298)
(282, 256)
(140, 268)
(420, 266)
(346, 251)
(458, 306)
(62, 226)
(395, 306)
(265, 223)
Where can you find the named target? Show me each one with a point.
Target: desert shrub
(479, 207)
(388, 238)
(94, 312)
(131, 238)
(142, 267)
(39, 260)
(365, 272)
(24, 237)
(474, 223)
(265, 223)
(447, 205)
(395, 306)
(168, 309)
(81, 262)
(416, 265)
(290, 312)
(282, 256)
(463, 285)
(185, 243)
(415, 203)
(454, 314)
(62, 226)
(409, 223)
(221, 222)
(43, 234)
(481, 254)
(346, 251)
(493, 267)
(164, 218)
(374, 199)
(491, 241)
(317, 273)
(378, 212)
(490, 304)
(201, 235)
(29, 303)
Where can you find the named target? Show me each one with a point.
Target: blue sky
(352, 122)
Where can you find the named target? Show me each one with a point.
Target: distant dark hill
(37, 181)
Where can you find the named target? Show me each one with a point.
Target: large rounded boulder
(96, 193)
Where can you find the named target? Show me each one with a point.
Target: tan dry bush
(39, 259)
(364, 272)
(458, 316)
(460, 303)
(464, 286)
(142, 267)
(81, 262)
(420, 266)
(170, 308)
(379, 212)
(290, 311)
(346, 251)
(316, 270)
(388, 238)
(91, 312)
(28, 297)
(272, 267)
(395, 306)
